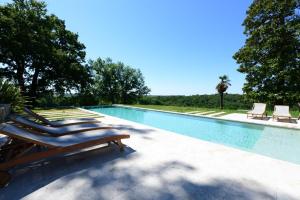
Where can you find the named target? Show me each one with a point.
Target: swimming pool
(280, 143)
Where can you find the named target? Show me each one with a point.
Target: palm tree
(222, 87)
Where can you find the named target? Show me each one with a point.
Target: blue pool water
(274, 142)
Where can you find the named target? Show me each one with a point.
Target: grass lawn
(64, 113)
(295, 113)
(185, 109)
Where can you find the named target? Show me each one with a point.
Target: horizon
(181, 48)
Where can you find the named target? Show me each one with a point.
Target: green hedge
(231, 101)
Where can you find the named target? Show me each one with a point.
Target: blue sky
(181, 46)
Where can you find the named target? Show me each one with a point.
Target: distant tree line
(231, 101)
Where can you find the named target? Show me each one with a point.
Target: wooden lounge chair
(258, 110)
(61, 122)
(26, 147)
(281, 112)
(56, 131)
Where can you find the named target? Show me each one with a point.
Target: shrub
(10, 94)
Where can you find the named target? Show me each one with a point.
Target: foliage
(117, 83)
(75, 100)
(9, 94)
(232, 101)
(270, 57)
(38, 52)
(222, 87)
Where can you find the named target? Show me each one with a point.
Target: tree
(271, 54)
(222, 87)
(117, 83)
(38, 52)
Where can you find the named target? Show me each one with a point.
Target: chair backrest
(282, 109)
(29, 123)
(259, 107)
(23, 134)
(58, 131)
(37, 116)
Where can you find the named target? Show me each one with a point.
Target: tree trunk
(34, 83)
(33, 88)
(221, 100)
(112, 98)
(20, 78)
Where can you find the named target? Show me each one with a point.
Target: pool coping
(261, 123)
(209, 142)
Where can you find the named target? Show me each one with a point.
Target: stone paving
(216, 114)
(156, 165)
(293, 123)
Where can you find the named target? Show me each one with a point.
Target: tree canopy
(117, 83)
(271, 54)
(38, 52)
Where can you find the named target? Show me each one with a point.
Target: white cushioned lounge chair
(258, 110)
(281, 112)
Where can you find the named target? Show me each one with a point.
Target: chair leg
(121, 145)
(4, 178)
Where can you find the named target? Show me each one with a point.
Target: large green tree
(38, 52)
(271, 54)
(117, 83)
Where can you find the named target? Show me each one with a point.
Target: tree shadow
(290, 121)
(261, 118)
(29, 178)
(132, 128)
(108, 174)
(142, 132)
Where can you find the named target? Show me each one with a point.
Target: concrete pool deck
(294, 123)
(157, 164)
